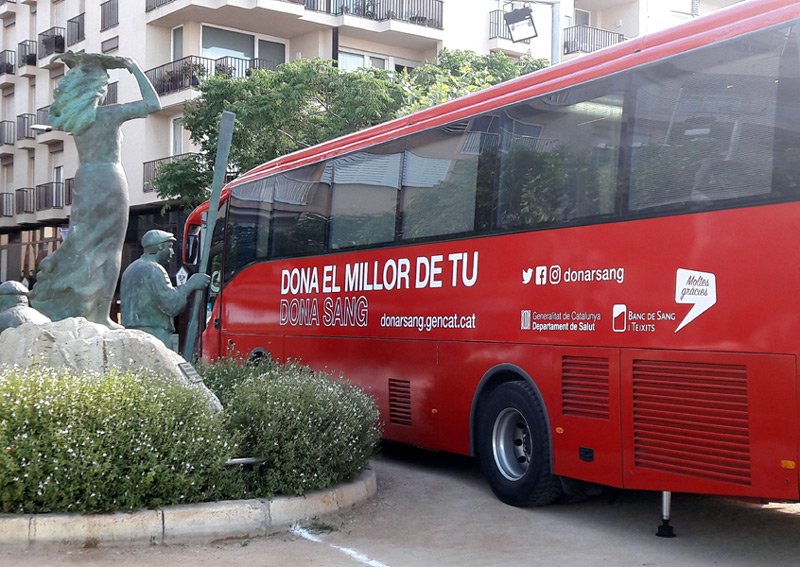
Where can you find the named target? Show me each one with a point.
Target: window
(177, 43)
(365, 192)
(272, 51)
(349, 61)
(219, 43)
(110, 44)
(109, 14)
(705, 124)
(177, 136)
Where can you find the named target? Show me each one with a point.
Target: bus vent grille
(584, 386)
(400, 402)
(692, 419)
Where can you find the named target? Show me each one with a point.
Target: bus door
(211, 337)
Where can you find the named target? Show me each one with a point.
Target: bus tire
(514, 447)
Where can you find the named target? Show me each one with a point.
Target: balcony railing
(421, 12)
(76, 29)
(498, 27)
(26, 200)
(50, 196)
(586, 39)
(51, 42)
(26, 52)
(8, 62)
(43, 117)
(191, 71)
(24, 123)
(181, 74)
(234, 67)
(7, 132)
(7, 204)
(150, 171)
(109, 14)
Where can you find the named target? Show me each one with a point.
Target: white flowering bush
(87, 443)
(313, 430)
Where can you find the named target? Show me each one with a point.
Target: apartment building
(181, 42)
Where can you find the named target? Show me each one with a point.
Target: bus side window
(704, 130)
(192, 246)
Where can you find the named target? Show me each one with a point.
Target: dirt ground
(436, 509)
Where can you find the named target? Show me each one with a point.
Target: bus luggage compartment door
(586, 420)
(717, 423)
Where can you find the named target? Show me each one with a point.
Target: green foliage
(309, 101)
(313, 430)
(86, 443)
(173, 179)
(458, 73)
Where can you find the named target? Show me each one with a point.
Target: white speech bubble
(695, 288)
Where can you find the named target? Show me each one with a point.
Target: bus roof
(718, 26)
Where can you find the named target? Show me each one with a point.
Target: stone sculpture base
(84, 346)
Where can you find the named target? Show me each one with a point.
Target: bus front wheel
(514, 447)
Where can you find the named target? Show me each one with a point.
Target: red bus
(590, 274)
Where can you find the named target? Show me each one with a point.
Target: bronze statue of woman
(79, 278)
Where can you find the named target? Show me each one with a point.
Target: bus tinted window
(440, 174)
(248, 225)
(300, 212)
(364, 204)
(559, 156)
(704, 124)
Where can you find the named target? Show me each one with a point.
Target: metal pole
(220, 168)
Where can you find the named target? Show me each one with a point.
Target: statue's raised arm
(79, 278)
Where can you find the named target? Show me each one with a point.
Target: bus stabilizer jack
(665, 530)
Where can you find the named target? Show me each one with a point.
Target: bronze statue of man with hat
(149, 300)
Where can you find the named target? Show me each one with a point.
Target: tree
(458, 73)
(309, 101)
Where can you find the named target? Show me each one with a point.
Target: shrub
(88, 443)
(314, 430)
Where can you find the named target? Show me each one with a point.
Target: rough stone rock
(83, 346)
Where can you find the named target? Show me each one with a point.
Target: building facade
(181, 42)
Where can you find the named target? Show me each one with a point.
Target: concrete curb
(185, 523)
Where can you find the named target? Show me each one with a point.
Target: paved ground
(434, 509)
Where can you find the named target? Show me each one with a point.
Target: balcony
(45, 135)
(8, 67)
(420, 12)
(406, 24)
(51, 42)
(26, 58)
(500, 38)
(76, 30)
(7, 204)
(150, 170)
(26, 136)
(180, 74)
(25, 200)
(51, 196)
(7, 138)
(8, 9)
(235, 67)
(586, 39)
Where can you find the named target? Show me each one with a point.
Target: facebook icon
(541, 275)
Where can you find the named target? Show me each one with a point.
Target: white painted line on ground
(360, 557)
